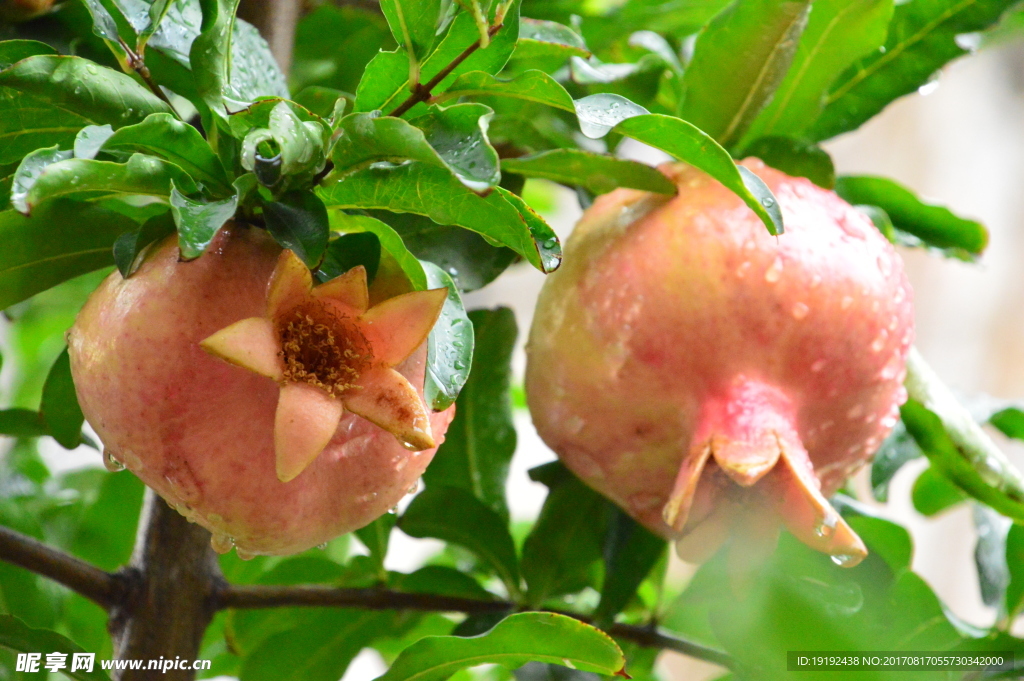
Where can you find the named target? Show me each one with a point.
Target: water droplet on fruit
(110, 463)
(741, 271)
(182, 482)
(410, 446)
(845, 559)
(774, 273)
(800, 311)
(575, 424)
(818, 366)
(855, 412)
(826, 526)
(879, 343)
(221, 543)
(243, 554)
(322, 547)
(415, 488)
(846, 302)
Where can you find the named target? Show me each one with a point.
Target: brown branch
(99, 586)
(249, 597)
(421, 93)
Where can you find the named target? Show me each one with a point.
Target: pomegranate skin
(200, 431)
(677, 327)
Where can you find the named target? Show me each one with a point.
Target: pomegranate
(712, 379)
(313, 426)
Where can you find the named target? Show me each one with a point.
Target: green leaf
(15, 50)
(516, 640)
(348, 251)
(179, 143)
(450, 345)
(442, 580)
(1009, 421)
(131, 246)
(90, 139)
(376, 537)
(990, 554)
(298, 220)
(548, 249)
(630, 553)
(934, 225)
(198, 222)
(28, 123)
(470, 260)
(435, 193)
(61, 240)
(750, 46)
(838, 33)
(567, 539)
(1015, 563)
(59, 408)
(933, 493)
(385, 83)
(896, 450)
(14, 634)
(598, 173)
(887, 539)
(530, 86)
(389, 239)
(413, 23)
(454, 515)
(141, 175)
(689, 144)
(84, 89)
(479, 444)
(795, 158)
(922, 38)
(540, 39)
(956, 445)
(29, 170)
(333, 45)
(321, 101)
(598, 114)
(22, 423)
(105, 534)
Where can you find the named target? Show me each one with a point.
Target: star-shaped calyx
(330, 351)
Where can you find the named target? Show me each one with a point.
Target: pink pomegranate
(712, 379)
(314, 426)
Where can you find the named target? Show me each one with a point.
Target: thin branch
(421, 93)
(137, 64)
(249, 597)
(99, 586)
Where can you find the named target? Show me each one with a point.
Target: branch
(248, 597)
(421, 93)
(97, 585)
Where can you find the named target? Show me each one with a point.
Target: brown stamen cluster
(322, 348)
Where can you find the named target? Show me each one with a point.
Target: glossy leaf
(956, 445)
(84, 89)
(376, 536)
(922, 38)
(1010, 421)
(28, 123)
(688, 144)
(750, 46)
(131, 246)
(141, 175)
(933, 493)
(935, 225)
(450, 345)
(598, 114)
(390, 241)
(61, 240)
(795, 158)
(59, 407)
(105, 533)
(888, 540)
(539, 39)
(479, 444)
(838, 33)
(198, 221)
(896, 450)
(16, 635)
(22, 423)
(29, 170)
(298, 220)
(630, 553)
(413, 23)
(454, 515)
(567, 539)
(333, 45)
(385, 83)
(90, 139)
(598, 173)
(516, 640)
(990, 554)
(15, 50)
(1014, 597)
(426, 190)
(348, 251)
(531, 86)
(179, 143)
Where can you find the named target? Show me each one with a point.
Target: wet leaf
(630, 553)
(390, 241)
(413, 23)
(131, 246)
(530, 86)
(298, 220)
(199, 221)
(59, 408)
(599, 173)
(933, 493)
(450, 345)
(348, 251)
(795, 158)
(16, 635)
(896, 450)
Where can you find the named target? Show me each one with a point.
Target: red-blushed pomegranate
(275, 449)
(712, 379)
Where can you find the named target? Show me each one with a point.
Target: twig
(249, 597)
(99, 586)
(421, 93)
(137, 64)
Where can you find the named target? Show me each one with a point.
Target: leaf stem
(421, 92)
(137, 64)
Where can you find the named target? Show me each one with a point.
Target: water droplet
(182, 482)
(826, 526)
(818, 365)
(888, 421)
(322, 547)
(415, 488)
(221, 543)
(91, 68)
(575, 424)
(741, 271)
(800, 311)
(410, 446)
(393, 510)
(460, 365)
(243, 554)
(767, 202)
(110, 463)
(846, 302)
(879, 343)
(774, 273)
(568, 663)
(845, 559)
